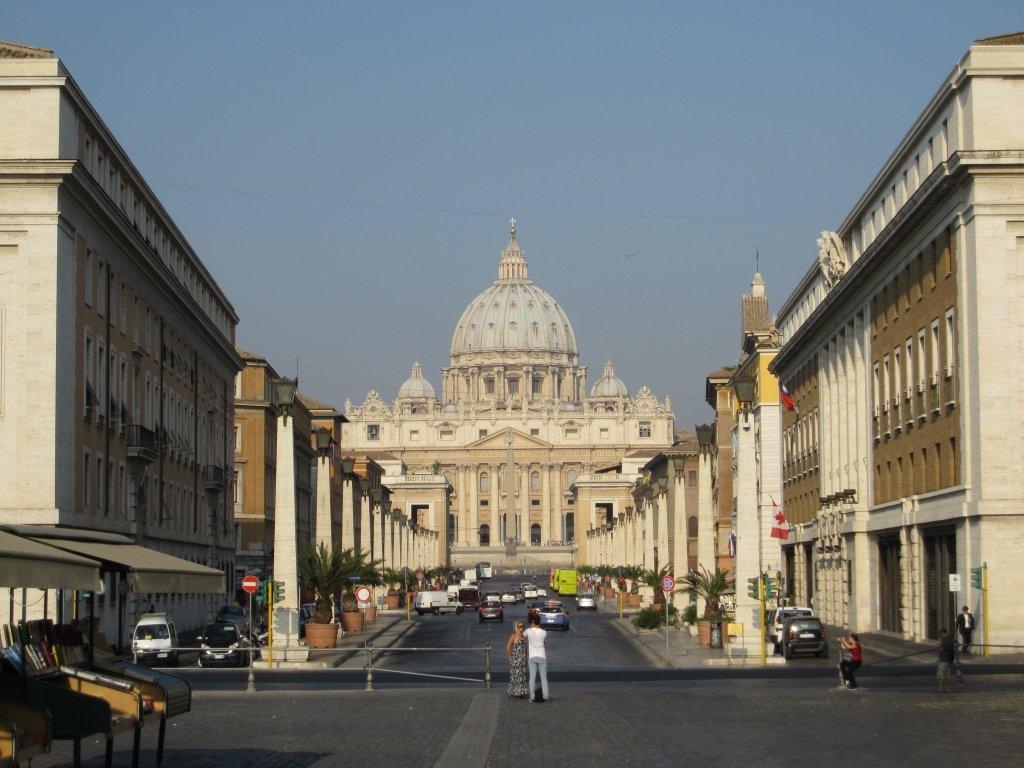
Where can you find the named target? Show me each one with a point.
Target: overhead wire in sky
(472, 212)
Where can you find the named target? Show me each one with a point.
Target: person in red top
(851, 660)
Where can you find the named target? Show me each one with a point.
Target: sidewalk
(385, 630)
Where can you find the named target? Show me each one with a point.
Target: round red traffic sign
(251, 583)
(363, 594)
(668, 583)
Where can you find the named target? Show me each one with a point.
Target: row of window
(921, 471)
(902, 377)
(644, 430)
(103, 166)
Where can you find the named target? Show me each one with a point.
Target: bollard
(369, 665)
(487, 666)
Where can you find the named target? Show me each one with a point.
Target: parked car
(586, 601)
(491, 610)
(804, 634)
(776, 617)
(155, 640)
(221, 644)
(553, 615)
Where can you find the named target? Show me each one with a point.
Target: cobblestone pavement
(893, 721)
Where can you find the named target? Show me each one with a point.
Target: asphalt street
(779, 722)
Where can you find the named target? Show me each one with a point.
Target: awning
(149, 570)
(28, 563)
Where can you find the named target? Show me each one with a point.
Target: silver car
(586, 601)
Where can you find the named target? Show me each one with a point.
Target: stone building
(901, 465)
(513, 429)
(116, 348)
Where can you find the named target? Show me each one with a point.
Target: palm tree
(653, 579)
(323, 571)
(709, 586)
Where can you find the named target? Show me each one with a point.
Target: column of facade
(661, 506)
(552, 385)
(545, 503)
(462, 508)
(524, 495)
(746, 563)
(557, 517)
(364, 521)
(324, 533)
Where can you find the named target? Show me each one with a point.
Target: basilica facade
(494, 460)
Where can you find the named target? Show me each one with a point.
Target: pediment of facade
(519, 440)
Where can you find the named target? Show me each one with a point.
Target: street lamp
(348, 465)
(705, 436)
(324, 439)
(745, 387)
(284, 393)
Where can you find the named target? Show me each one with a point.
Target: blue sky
(346, 170)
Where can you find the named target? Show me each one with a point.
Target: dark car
(491, 610)
(554, 615)
(804, 634)
(222, 645)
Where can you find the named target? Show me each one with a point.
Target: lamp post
(286, 568)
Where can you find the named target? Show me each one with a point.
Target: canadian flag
(780, 528)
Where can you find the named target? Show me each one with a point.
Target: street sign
(363, 594)
(251, 583)
(954, 582)
(668, 583)
(356, 578)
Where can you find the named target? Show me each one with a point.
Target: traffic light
(278, 591)
(753, 587)
(770, 587)
(978, 577)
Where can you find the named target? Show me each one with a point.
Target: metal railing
(369, 650)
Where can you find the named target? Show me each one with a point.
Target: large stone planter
(633, 600)
(704, 632)
(321, 635)
(352, 621)
(370, 614)
(393, 601)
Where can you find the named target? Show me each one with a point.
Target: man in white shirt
(538, 660)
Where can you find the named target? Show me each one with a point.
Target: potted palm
(391, 578)
(652, 578)
(634, 573)
(709, 586)
(355, 564)
(322, 572)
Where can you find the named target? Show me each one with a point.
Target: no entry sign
(251, 583)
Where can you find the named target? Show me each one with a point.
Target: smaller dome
(609, 385)
(416, 387)
(450, 408)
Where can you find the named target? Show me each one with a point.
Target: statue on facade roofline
(831, 258)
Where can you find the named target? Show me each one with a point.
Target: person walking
(538, 660)
(947, 654)
(516, 650)
(965, 628)
(852, 657)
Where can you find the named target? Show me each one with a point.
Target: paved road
(892, 721)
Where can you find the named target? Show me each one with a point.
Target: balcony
(141, 443)
(214, 476)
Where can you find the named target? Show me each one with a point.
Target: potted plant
(652, 579)
(709, 586)
(634, 573)
(391, 578)
(322, 572)
(689, 616)
(355, 564)
(371, 574)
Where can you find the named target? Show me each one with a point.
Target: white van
(436, 601)
(155, 639)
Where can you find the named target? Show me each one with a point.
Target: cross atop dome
(512, 229)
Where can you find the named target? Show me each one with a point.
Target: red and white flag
(788, 401)
(780, 528)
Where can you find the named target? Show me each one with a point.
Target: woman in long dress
(518, 668)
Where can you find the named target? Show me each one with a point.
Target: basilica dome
(513, 315)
